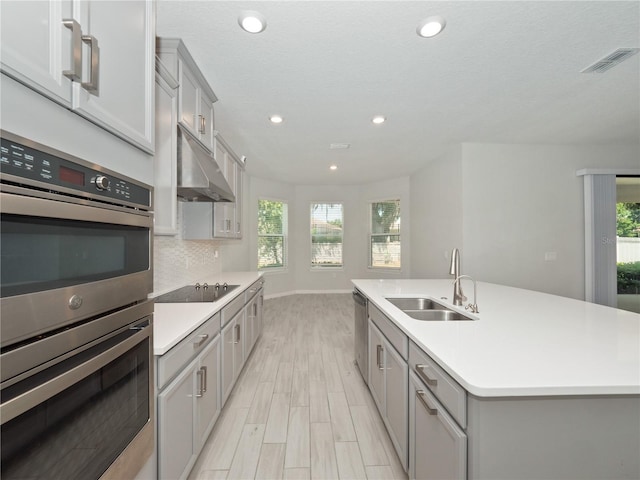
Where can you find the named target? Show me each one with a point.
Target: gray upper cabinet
(94, 57)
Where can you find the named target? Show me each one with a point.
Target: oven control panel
(36, 166)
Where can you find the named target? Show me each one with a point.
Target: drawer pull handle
(379, 350)
(423, 401)
(201, 339)
(420, 370)
(237, 329)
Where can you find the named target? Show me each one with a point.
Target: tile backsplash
(177, 262)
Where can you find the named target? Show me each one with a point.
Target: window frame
(370, 234)
(284, 235)
(318, 268)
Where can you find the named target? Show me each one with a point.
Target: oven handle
(53, 208)
(26, 401)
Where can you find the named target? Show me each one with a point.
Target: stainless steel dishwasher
(360, 334)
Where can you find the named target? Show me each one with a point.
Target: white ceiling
(500, 72)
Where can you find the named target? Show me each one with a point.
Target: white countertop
(523, 343)
(174, 321)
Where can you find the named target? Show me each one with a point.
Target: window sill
(385, 269)
(267, 271)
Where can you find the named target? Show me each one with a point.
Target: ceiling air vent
(611, 60)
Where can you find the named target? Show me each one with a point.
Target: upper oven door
(65, 260)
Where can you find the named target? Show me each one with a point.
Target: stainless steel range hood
(199, 176)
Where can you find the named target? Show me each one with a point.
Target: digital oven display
(71, 176)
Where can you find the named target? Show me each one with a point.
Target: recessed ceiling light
(431, 26)
(276, 119)
(333, 167)
(378, 119)
(252, 21)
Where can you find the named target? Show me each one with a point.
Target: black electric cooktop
(196, 293)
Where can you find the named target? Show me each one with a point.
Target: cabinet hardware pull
(203, 124)
(237, 328)
(420, 371)
(379, 350)
(94, 72)
(423, 400)
(204, 378)
(75, 74)
(255, 309)
(200, 391)
(201, 339)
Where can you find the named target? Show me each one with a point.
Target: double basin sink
(427, 309)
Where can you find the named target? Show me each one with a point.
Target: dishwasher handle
(359, 298)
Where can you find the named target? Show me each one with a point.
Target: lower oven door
(66, 259)
(86, 417)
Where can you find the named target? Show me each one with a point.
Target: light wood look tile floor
(300, 409)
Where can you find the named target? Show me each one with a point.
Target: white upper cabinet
(36, 46)
(117, 91)
(95, 57)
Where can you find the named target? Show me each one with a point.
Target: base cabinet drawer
(438, 446)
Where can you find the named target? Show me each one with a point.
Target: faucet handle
(473, 307)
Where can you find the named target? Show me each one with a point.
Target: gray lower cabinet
(388, 382)
(438, 446)
(187, 410)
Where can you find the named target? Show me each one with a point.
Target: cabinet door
(176, 451)
(438, 446)
(397, 407)
(227, 376)
(165, 160)
(35, 46)
(376, 367)
(207, 404)
(117, 90)
(205, 118)
(188, 104)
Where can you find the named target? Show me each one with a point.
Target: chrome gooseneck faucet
(454, 269)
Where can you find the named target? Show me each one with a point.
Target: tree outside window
(384, 236)
(272, 230)
(326, 235)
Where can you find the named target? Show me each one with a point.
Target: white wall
(518, 202)
(436, 215)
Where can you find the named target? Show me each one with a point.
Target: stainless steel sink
(436, 315)
(426, 309)
(416, 303)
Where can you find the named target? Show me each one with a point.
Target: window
(326, 235)
(272, 232)
(384, 236)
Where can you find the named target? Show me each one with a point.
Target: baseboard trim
(303, 292)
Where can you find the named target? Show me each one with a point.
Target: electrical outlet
(550, 256)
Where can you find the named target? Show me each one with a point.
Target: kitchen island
(540, 386)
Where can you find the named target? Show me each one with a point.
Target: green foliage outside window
(272, 220)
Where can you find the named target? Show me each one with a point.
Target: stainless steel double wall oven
(76, 357)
